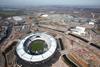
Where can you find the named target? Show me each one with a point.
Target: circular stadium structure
(36, 47)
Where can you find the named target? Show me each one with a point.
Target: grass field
(10, 13)
(37, 45)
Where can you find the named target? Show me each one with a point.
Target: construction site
(78, 45)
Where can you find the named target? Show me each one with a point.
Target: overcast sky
(50, 2)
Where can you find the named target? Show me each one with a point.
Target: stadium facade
(24, 52)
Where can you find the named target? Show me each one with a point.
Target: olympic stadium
(36, 47)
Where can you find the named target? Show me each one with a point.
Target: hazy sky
(50, 2)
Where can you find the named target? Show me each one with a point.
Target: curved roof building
(36, 47)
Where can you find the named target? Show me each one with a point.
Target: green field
(37, 45)
(11, 13)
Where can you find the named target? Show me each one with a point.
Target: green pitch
(37, 45)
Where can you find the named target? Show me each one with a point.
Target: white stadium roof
(51, 42)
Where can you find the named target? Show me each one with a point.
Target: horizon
(34, 3)
(44, 6)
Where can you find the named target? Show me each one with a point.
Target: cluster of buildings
(64, 18)
(3, 32)
(62, 26)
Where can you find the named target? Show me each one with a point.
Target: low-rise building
(78, 30)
